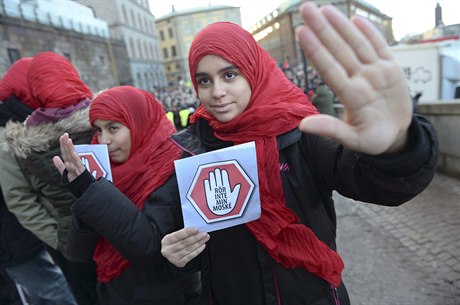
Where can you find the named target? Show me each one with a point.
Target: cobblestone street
(408, 255)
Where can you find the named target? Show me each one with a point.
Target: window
(170, 30)
(165, 53)
(162, 35)
(139, 47)
(173, 51)
(133, 19)
(14, 55)
(125, 16)
(146, 50)
(133, 50)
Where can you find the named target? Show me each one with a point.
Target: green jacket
(34, 148)
(34, 212)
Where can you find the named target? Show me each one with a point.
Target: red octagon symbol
(197, 193)
(94, 164)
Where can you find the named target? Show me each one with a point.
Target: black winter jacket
(17, 245)
(236, 270)
(102, 210)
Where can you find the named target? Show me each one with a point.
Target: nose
(219, 89)
(104, 138)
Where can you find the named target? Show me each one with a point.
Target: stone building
(177, 29)
(276, 31)
(30, 27)
(132, 22)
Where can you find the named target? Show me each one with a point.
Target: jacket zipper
(335, 295)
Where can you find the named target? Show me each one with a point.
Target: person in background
(323, 100)
(120, 225)
(61, 101)
(24, 256)
(380, 153)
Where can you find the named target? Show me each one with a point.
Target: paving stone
(408, 255)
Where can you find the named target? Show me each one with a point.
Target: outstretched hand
(70, 159)
(352, 57)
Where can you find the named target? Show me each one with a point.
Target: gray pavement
(406, 255)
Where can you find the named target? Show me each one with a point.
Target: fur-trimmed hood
(22, 140)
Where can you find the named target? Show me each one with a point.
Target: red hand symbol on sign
(92, 164)
(88, 167)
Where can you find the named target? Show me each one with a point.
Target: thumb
(236, 189)
(59, 164)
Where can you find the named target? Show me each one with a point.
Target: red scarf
(150, 163)
(54, 82)
(276, 107)
(15, 83)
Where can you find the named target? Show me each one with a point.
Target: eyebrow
(104, 125)
(224, 69)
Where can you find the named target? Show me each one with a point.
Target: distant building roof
(194, 10)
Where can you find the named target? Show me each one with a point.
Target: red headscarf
(54, 82)
(15, 83)
(276, 106)
(151, 159)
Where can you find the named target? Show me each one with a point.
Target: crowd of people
(69, 237)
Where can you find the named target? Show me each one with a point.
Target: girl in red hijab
(288, 255)
(56, 87)
(130, 269)
(15, 83)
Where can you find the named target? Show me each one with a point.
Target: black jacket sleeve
(135, 233)
(387, 179)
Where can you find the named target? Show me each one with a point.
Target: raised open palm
(354, 60)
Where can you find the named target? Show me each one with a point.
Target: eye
(113, 129)
(203, 81)
(230, 75)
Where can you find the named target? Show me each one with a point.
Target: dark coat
(237, 270)
(17, 245)
(102, 210)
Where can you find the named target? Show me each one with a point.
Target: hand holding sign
(220, 198)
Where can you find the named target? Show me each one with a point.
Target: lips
(222, 107)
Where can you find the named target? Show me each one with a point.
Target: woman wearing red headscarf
(59, 100)
(126, 220)
(27, 222)
(288, 255)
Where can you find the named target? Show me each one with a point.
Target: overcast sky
(409, 16)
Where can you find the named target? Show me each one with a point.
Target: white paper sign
(95, 157)
(219, 189)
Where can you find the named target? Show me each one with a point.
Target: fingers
(184, 245)
(70, 157)
(59, 164)
(374, 37)
(330, 69)
(351, 34)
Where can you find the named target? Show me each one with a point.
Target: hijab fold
(150, 163)
(276, 107)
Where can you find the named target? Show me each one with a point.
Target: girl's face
(222, 89)
(117, 137)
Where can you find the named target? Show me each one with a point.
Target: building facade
(132, 22)
(276, 31)
(177, 29)
(31, 27)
